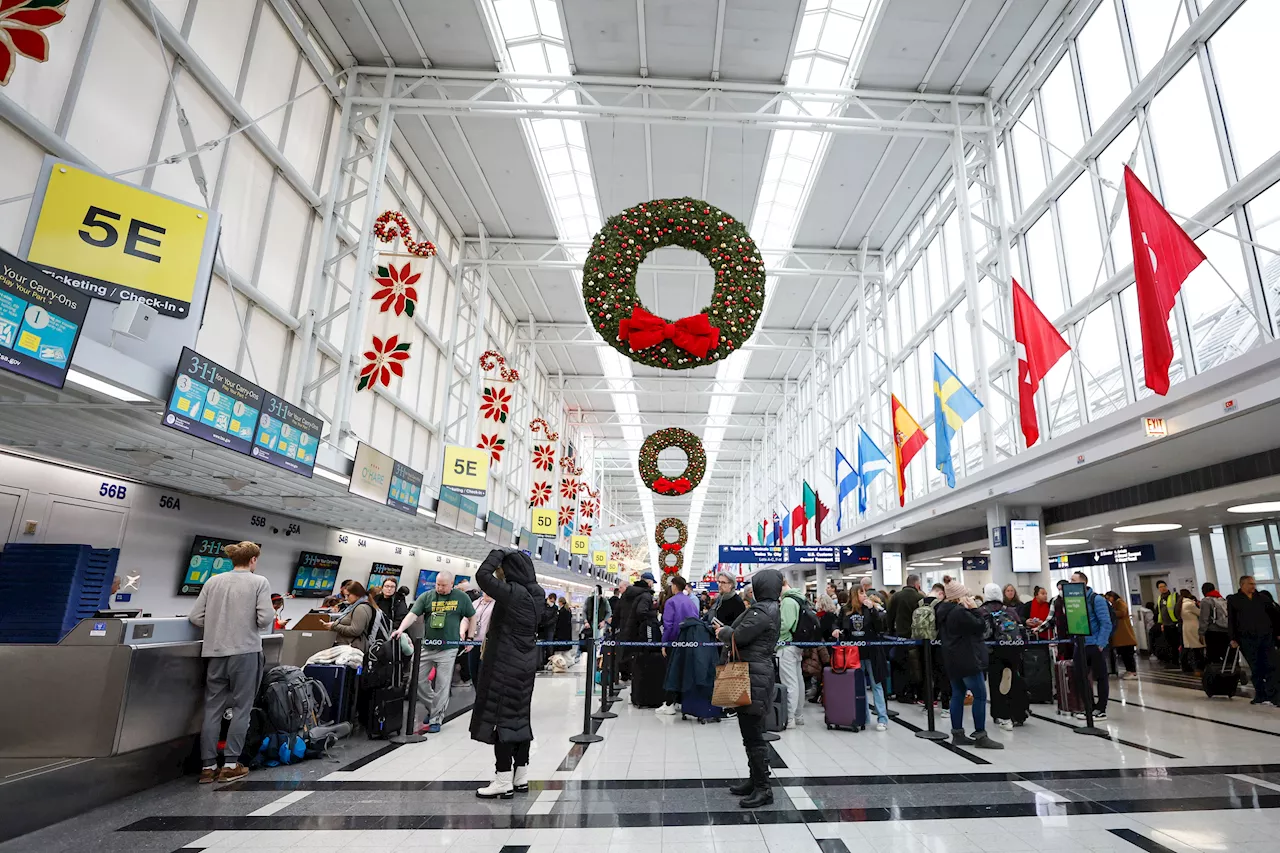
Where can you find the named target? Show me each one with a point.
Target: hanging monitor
(1024, 542)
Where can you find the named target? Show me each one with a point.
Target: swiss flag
(1039, 348)
(1163, 257)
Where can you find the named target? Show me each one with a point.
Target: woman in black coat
(755, 636)
(564, 627)
(509, 661)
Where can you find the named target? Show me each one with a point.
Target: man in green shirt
(448, 612)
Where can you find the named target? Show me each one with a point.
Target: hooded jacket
(903, 603)
(692, 670)
(789, 613)
(636, 612)
(961, 631)
(755, 634)
(504, 688)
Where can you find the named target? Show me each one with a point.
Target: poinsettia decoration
(540, 494)
(494, 444)
(584, 529)
(566, 515)
(495, 403)
(382, 360)
(21, 22)
(589, 508)
(569, 488)
(397, 292)
(544, 457)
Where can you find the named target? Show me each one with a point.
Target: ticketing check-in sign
(542, 522)
(600, 559)
(580, 545)
(118, 242)
(466, 470)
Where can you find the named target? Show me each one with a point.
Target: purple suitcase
(699, 707)
(844, 699)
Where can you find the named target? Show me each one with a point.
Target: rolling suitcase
(1037, 671)
(699, 707)
(648, 672)
(386, 712)
(844, 699)
(1222, 679)
(1070, 700)
(339, 682)
(778, 719)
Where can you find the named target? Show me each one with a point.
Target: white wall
(68, 506)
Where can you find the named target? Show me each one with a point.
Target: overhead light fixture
(949, 560)
(1155, 527)
(93, 383)
(925, 565)
(298, 502)
(1066, 541)
(1250, 509)
(984, 552)
(329, 475)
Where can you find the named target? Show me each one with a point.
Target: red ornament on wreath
(609, 279)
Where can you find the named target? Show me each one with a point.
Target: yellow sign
(542, 522)
(579, 544)
(613, 567)
(466, 470)
(600, 558)
(119, 242)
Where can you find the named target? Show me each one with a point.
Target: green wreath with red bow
(665, 547)
(609, 283)
(695, 465)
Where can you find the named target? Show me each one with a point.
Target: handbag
(845, 658)
(733, 682)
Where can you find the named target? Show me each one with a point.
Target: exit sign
(1155, 427)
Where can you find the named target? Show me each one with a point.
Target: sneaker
(666, 710)
(433, 728)
(422, 729)
(881, 727)
(207, 775)
(231, 774)
(1099, 715)
(798, 721)
(1006, 725)
(1006, 682)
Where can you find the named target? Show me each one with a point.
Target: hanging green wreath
(671, 568)
(660, 535)
(609, 283)
(695, 467)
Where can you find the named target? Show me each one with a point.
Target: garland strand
(399, 227)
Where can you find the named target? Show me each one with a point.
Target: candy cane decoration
(539, 425)
(492, 358)
(392, 224)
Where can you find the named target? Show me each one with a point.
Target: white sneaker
(798, 721)
(881, 727)
(1007, 725)
(666, 710)
(520, 780)
(501, 787)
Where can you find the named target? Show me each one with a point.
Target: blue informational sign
(977, 564)
(287, 437)
(210, 402)
(1000, 537)
(40, 322)
(123, 597)
(406, 489)
(845, 555)
(382, 571)
(315, 575)
(1109, 557)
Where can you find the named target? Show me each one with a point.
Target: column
(1202, 560)
(877, 573)
(1001, 560)
(821, 577)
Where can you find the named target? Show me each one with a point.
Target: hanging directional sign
(845, 555)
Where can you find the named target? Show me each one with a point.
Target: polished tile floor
(1177, 773)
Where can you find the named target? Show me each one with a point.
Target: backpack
(1003, 627)
(1216, 617)
(1111, 611)
(924, 622)
(291, 701)
(807, 628)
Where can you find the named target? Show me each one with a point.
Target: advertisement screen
(205, 560)
(426, 580)
(315, 575)
(377, 477)
(382, 571)
(40, 322)
(1024, 540)
(210, 402)
(287, 437)
(892, 565)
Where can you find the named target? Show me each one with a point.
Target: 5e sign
(466, 470)
(118, 242)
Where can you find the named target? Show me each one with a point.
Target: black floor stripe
(833, 845)
(1113, 738)
(1197, 719)
(775, 760)
(370, 758)
(659, 817)
(514, 848)
(1137, 839)
(947, 745)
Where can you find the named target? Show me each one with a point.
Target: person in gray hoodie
(754, 635)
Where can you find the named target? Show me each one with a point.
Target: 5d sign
(466, 470)
(118, 242)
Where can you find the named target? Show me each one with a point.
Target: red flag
(748, 538)
(1039, 348)
(1163, 256)
(798, 519)
(908, 438)
(823, 509)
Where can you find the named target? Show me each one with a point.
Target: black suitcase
(340, 683)
(386, 712)
(1222, 679)
(778, 719)
(648, 672)
(1037, 672)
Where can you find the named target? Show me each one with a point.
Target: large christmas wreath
(673, 567)
(660, 534)
(695, 467)
(609, 283)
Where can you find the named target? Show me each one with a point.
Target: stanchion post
(604, 713)
(587, 735)
(1080, 664)
(407, 734)
(931, 733)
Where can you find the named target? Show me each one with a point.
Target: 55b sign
(466, 470)
(118, 242)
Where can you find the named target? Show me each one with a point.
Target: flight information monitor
(426, 580)
(205, 560)
(382, 571)
(315, 575)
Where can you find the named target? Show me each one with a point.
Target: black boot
(762, 794)
(959, 738)
(743, 788)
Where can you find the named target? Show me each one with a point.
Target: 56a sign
(119, 242)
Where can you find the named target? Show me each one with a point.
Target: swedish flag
(953, 404)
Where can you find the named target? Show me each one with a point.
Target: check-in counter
(114, 707)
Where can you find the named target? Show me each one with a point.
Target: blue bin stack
(45, 590)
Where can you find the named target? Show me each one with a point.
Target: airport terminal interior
(920, 349)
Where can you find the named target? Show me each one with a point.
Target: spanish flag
(908, 438)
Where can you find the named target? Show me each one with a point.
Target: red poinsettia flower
(544, 457)
(566, 515)
(494, 445)
(398, 292)
(495, 404)
(384, 359)
(584, 529)
(569, 489)
(20, 24)
(589, 508)
(540, 494)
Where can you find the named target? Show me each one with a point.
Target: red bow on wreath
(670, 570)
(671, 546)
(695, 335)
(663, 486)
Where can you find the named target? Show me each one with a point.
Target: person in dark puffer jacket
(755, 633)
(504, 690)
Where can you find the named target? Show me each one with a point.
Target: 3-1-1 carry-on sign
(118, 242)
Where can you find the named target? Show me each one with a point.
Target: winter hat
(648, 576)
(954, 590)
(992, 592)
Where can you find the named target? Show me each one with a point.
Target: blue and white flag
(871, 462)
